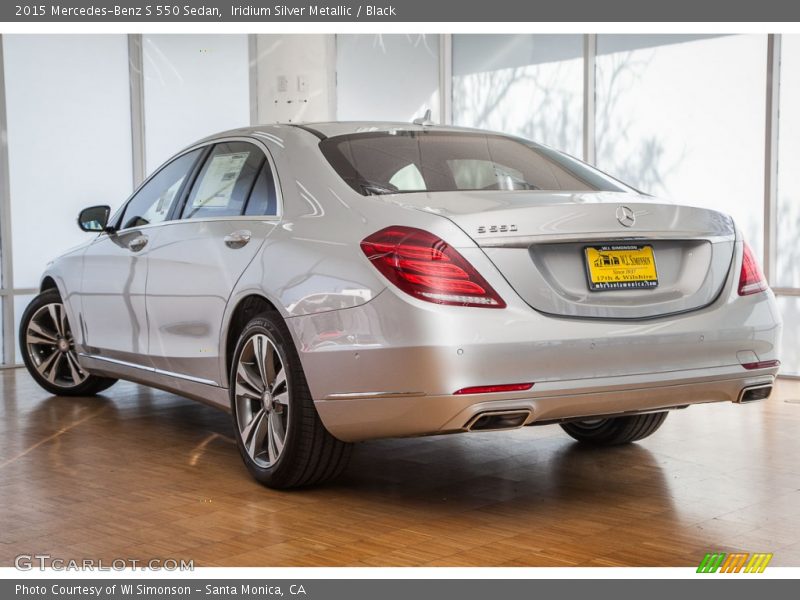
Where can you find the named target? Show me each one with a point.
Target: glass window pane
(225, 181)
(20, 304)
(455, 160)
(527, 85)
(788, 243)
(194, 86)
(790, 352)
(263, 199)
(153, 203)
(682, 117)
(69, 137)
(387, 77)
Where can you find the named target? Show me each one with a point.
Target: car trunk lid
(538, 241)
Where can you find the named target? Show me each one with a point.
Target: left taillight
(426, 267)
(751, 278)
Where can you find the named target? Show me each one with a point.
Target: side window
(225, 181)
(263, 199)
(152, 203)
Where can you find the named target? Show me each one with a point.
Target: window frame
(174, 215)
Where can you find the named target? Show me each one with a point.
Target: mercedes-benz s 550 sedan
(336, 282)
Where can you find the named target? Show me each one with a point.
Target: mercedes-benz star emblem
(625, 216)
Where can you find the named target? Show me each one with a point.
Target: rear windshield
(394, 161)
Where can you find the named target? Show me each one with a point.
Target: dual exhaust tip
(499, 419)
(754, 393)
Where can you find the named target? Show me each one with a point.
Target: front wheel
(48, 349)
(616, 430)
(278, 431)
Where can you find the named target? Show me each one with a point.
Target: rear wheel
(48, 349)
(278, 431)
(616, 430)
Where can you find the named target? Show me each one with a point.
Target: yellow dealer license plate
(621, 267)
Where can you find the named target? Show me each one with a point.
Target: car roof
(328, 129)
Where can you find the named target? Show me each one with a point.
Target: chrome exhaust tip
(498, 419)
(754, 393)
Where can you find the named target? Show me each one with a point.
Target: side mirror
(94, 218)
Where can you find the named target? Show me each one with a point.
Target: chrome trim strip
(131, 365)
(529, 240)
(359, 395)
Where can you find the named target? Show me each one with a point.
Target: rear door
(195, 261)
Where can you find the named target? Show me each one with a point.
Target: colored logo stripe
(734, 563)
(758, 563)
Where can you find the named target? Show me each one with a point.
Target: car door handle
(237, 239)
(137, 243)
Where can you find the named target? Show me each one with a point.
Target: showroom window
(193, 85)
(527, 85)
(387, 77)
(787, 265)
(682, 117)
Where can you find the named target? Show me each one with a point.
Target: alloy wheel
(51, 347)
(262, 400)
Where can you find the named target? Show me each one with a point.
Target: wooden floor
(144, 474)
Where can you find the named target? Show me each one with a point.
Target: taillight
(751, 279)
(424, 266)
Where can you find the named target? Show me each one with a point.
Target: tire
(615, 431)
(309, 454)
(48, 350)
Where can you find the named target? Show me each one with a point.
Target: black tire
(616, 430)
(310, 455)
(62, 380)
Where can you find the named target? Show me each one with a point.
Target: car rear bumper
(391, 367)
(353, 418)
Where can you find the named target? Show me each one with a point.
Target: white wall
(296, 78)
(387, 77)
(69, 139)
(194, 86)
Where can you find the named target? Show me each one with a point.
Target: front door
(113, 316)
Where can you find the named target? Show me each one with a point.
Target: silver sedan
(336, 282)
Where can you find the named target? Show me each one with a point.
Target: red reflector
(751, 279)
(426, 267)
(491, 389)
(764, 364)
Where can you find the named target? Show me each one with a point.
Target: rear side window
(263, 199)
(397, 161)
(225, 181)
(153, 203)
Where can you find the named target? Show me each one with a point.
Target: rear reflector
(424, 266)
(751, 278)
(492, 389)
(763, 364)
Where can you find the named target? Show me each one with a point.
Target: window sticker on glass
(219, 180)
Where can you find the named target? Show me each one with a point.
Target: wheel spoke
(257, 431)
(74, 368)
(260, 352)
(248, 380)
(37, 334)
(279, 383)
(270, 364)
(55, 315)
(50, 367)
(281, 399)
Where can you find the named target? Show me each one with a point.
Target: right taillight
(426, 267)
(751, 278)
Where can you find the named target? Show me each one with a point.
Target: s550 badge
(496, 228)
